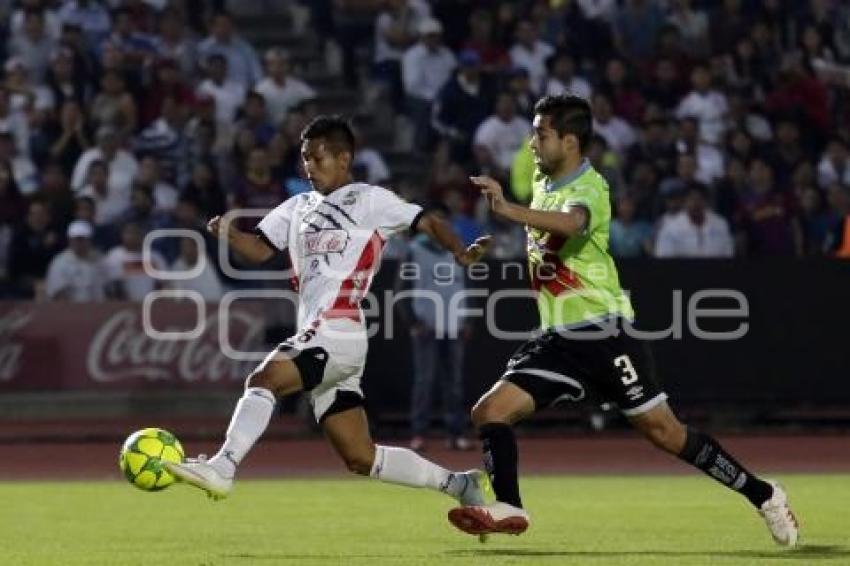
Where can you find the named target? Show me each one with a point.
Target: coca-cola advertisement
(52, 347)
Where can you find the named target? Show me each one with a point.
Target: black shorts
(593, 362)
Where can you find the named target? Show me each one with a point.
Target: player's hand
(474, 252)
(492, 191)
(215, 226)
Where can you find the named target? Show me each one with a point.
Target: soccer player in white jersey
(334, 235)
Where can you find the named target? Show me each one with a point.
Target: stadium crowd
(722, 127)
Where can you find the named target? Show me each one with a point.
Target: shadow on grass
(803, 553)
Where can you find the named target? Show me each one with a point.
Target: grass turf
(576, 520)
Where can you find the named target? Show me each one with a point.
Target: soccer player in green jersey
(585, 347)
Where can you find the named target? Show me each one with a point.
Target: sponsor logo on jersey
(325, 242)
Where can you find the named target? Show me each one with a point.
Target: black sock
(500, 460)
(704, 452)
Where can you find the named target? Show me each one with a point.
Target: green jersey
(575, 278)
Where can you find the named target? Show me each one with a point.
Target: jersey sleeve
(274, 227)
(588, 198)
(392, 214)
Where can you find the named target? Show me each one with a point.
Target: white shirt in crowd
(532, 60)
(280, 99)
(709, 109)
(502, 139)
(126, 267)
(829, 174)
(335, 243)
(417, 10)
(110, 206)
(376, 168)
(680, 237)
(617, 132)
(80, 280)
(425, 72)
(228, 98)
(122, 169)
(207, 283)
(577, 86)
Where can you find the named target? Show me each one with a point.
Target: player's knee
(485, 411)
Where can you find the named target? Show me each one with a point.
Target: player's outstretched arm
(570, 222)
(249, 246)
(440, 231)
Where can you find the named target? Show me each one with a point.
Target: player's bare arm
(249, 246)
(569, 222)
(436, 227)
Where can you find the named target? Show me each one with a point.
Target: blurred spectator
(369, 166)
(77, 274)
(787, 153)
(665, 87)
(462, 105)
(34, 243)
(629, 237)
(255, 118)
(425, 68)
(767, 218)
(14, 122)
(464, 224)
(626, 99)
(816, 220)
(207, 283)
(395, 31)
(707, 105)
(742, 115)
(282, 92)
(616, 131)
(113, 106)
(67, 137)
(50, 19)
(256, 187)
(227, 94)
(636, 27)
(111, 202)
(439, 335)
(709, 160)
(125, 268)
(149, 176)
(494, 57)
(174, 43)
(123, 166)
(89, 16)
(242, 65)
(692, 25)
(838, 241)
(519, 85)
(834, 165)
(499, 137)
(696, 231)
(530, 53)
(23, 169)
(33, 45)
(655, 146)
(797, 90)
(66, 80)
(166, 84)
(203, 188)
(562, 77)
(731, 189)
(164, 139)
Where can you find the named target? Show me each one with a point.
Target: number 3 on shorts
(624, 364)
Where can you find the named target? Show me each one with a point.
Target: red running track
(603, 454)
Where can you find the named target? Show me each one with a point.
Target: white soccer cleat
(498, 517)
(780, 519)
(199, 473)
(476, 490)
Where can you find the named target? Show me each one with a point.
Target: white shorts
(331, 355)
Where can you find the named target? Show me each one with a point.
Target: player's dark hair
(334, 130)
(569, 114)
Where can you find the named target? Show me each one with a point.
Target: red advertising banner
(63, 346)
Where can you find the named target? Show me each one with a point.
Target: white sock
(406, 467)
(249, 421)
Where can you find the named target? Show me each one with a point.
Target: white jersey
(335, 243)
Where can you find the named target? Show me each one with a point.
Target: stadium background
(766, 145)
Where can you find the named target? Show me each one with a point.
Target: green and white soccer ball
(142, 456)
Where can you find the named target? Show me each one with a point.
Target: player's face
(548, 148)
(326, 170)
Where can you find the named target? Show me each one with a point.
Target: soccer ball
(142, 456)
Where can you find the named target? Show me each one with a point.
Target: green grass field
(576, 520)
